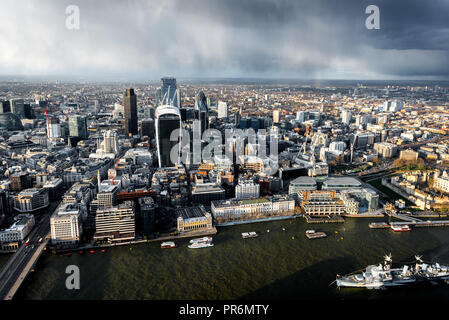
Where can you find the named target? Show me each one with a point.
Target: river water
(277, 265)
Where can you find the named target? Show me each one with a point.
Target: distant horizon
(218, 79)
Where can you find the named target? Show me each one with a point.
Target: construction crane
(115, 170)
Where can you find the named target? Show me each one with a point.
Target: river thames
(280, 264)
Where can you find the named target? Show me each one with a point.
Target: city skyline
(267, 39)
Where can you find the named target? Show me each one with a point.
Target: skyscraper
(5, 107)
(202, 111)
(78, 127)
(168, 94)
(222, 109)
(168, 119)
(53, 128)
(17, 107)
(130, 109)
(346, 116)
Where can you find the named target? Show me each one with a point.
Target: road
(12, 271)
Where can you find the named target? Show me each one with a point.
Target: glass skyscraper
(78, 127)
(169, 94)
(168, 119)
(130, 110)
(202, 111)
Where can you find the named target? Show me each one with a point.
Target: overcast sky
(139, 40)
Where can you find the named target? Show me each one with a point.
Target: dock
(323, 219)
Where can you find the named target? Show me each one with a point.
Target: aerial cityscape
(250, 180)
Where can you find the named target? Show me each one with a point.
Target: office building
(168, 119)
(204, 193)
(17, 107)
(168, 94)
(385, 149)
(147, 128)
(115, 223)
(110, 142)
(346, 116)
(53, 128)
(147, 215)
(302, 183)
(17, 232)
(130, 112)
(5, 106)
(247, 189)
(65, 225)
(20, 181)
(78, 127)
(341, 183)
(321, 203)
(202, 111)
(30, 200)
(408, 155)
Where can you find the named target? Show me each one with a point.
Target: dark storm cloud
(269, 38)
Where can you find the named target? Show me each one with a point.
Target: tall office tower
(130, 109)
(151, 111)
(29, 111)
(237, 118)
(110, 142)
(17, 107)
(201, 111)
(147, 128)
(168, 119)
(169, 93)
(53, 128)
(276, 116)
(5, 107)
(346, 116)
(78, 127)
(222, 109)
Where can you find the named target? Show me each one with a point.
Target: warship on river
(383, 275)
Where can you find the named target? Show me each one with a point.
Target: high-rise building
(222, 109)
(147, 128)
(202, 111)
(276, 116)
(169, 93)
(168, 119)
(78, 127)
(130, 109)
(53, 128)
(5, 106)
(346, 116)
(17, 107)
(147, 212)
